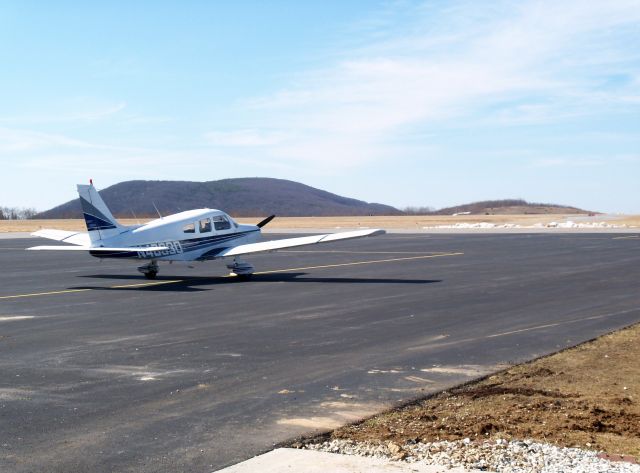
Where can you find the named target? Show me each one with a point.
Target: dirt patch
(587, 396)
(332, 414)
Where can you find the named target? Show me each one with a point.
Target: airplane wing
(99, 249)
(75, 238)
(293, 242)
(82, 242)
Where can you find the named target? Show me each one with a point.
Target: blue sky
(402, 102)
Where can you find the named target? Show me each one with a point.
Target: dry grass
(629, 220)
(419, 222)
(588, 396)
(59, 224)
(405, 222)
(311, 223)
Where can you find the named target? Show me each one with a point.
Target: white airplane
(194, 235)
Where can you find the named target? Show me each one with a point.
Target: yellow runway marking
(69, 291)
(359, 252)
(50, 293)
(145, 284)
(564, 322)
(359, 263)
(454, 342)
(174, 281)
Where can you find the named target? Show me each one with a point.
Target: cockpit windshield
(220, 222)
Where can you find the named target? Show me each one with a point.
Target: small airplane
(193, 235)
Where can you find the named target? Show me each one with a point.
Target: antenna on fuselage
(154, 206)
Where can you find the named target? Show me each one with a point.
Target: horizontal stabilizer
(75, 238)
(299, 241)
(98, 249)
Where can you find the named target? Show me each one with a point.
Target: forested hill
(243, 197)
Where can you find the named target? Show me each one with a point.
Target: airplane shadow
(194, 284)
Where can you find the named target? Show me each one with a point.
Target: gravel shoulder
(586, 398)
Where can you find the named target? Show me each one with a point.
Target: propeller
(266, 220)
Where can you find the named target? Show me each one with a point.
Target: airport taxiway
(101, 370)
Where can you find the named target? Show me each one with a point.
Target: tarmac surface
(102, 370)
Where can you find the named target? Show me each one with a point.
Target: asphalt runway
(101, 370)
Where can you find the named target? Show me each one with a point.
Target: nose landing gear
(241, 269)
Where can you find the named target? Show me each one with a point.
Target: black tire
(151, 274)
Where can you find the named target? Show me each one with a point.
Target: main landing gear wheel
(241, 269)
(149, 270)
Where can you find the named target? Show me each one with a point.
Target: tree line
(17, 213)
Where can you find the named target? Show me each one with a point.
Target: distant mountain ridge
(256, 197)
(241, 197)
(509, 207)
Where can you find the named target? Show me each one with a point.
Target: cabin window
(189, 228)
(205, 225)
(220, 222)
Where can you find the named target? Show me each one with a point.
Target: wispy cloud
(586, 161)
(18, 140)
(246, 137)
(564, 162)
(510, 64)
(73, 111)
(414, 88)
(59, 154)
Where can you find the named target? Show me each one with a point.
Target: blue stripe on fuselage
(189, 245)
(199, 243)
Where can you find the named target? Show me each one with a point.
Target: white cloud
(412, 70)
(75, 110)
(628, 158)
(611, 161)
(16, 140)
(537, 61)
(245, 137)
(97, 114)
(577, 162)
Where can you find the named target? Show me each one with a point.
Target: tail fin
(100, 222)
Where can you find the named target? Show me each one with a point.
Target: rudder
(100, 221)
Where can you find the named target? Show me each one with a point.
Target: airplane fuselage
(192, 235)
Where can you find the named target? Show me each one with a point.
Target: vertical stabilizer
(100, 221)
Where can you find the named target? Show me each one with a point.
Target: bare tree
(17, 213)
(418, 210)
(27, 213)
